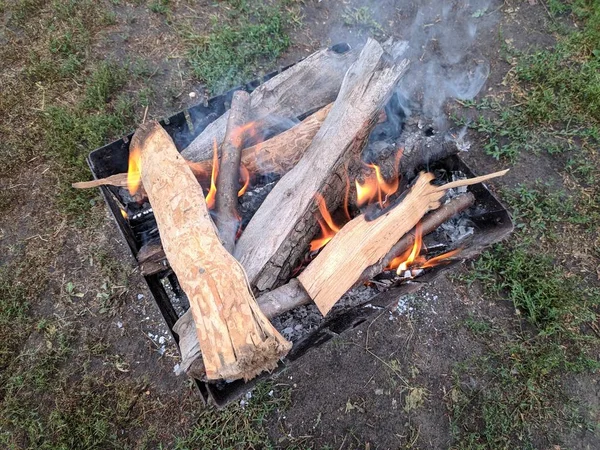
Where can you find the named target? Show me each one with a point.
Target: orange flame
(123, 213)
(375, 186)
(134, 170)
(328, 227)
(210, 197)
(245, 179)
(440, 258)
(414, 252)
(411, 258)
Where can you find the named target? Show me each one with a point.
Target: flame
(210, 197)
(245, 178)
(124, 213)
(411, 258)
(440, 258)
(134, 170)
(414, 252)
(376, 187)
(347, 195)
(328, 227)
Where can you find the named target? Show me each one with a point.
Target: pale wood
(272, 304)
(430, 223)
(277, 155)
(227, 218)
(119, 180)
(278, 234)
(361, 243)
(305, 87)
(236, 339)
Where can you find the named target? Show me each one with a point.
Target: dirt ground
(390, 383)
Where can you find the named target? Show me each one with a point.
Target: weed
(235, 48)
(160, 6)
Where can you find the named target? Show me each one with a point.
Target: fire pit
(399, 147)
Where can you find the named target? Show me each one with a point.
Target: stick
(226, 199)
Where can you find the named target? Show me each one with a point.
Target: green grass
(512, 396)
(555, 96)
(245, 38)
(237, 426)
(362, 19)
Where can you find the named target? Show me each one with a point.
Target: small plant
(160, 6)
(363, 19)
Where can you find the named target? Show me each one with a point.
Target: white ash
(180, 303)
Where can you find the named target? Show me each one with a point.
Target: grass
(555, 95)
(512, 396)
(237, 426)
(245, 37)
(362, 19)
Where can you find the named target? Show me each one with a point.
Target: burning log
(362, 243)
(236, 339)
(276, 155)
(429, 224)
(226, 199)
(307, 86)
(278, 234)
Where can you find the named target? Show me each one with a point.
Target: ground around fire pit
(504, 354)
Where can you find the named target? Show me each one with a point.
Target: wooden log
(236, 339)
(272, 303)
(361, 243)
(429, 223)
(307, 86)
(227, 217)
(276, 155)
(278, 234)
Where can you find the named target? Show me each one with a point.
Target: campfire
(257, 234)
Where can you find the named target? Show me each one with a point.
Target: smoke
(444, 60)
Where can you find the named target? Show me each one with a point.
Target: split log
(429, 224)
(278, 234)
(276, 155)
(361, 243)
(307, 86)
(272, 304)
(226, 199)
(236, 339)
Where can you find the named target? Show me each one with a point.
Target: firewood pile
(293, 250)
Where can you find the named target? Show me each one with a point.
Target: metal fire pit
(491, 221)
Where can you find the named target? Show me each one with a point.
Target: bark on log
(361, 243)
(279, 232)
(228, 184)
(307, 86)
(237, 340)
